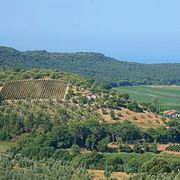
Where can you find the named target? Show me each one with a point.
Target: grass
(167, 97)
(4, 146)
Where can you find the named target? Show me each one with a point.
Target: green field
(168, 97)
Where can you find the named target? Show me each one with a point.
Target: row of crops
(34, 89)
(126, 157)
(142, 158)
(173, 148)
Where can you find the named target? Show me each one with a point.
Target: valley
(166, 97)
(89, 90)
(96, 131)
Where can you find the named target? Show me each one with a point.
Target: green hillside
(166, 96)
(46, 139)
(93, 65)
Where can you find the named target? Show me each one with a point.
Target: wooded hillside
(93, 65)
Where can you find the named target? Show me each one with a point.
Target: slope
(93, 65)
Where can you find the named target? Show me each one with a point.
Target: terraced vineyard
(142, 158)
(173, 148)
(34, 89)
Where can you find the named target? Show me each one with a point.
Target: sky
(146, 31)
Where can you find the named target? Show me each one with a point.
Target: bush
(4, 135)
(175, 166)
(75, 150)
(102, 144)
(133, 106)
(61, 154)
(115, 162)
(133, 166)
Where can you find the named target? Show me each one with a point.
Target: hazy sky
(135, 30)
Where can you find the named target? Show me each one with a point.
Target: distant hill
(93, 65)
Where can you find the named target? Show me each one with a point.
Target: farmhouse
(89, 95)
(172, 113)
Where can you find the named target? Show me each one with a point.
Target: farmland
(34, 89)
(166, 97)
(78, 130)
(173, 148)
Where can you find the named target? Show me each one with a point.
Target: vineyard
(34, 89)
(141, 158)
(173, 148)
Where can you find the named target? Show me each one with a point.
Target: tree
(137, 148)
(1, 99)
(133, 166)
(145, 147)
(115, 162)
(112, 130)
(102, 144)
(60, 137)
(107, 172)
(4, 135)
(129, 132)
(153, 147)
(133, 106)
(113, 115)
(75, 150)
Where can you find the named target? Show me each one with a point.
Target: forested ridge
(93, 65)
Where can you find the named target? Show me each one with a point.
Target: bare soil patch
(145, 119)
(99, 175)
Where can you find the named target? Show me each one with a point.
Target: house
(172, 113)
(89, 95)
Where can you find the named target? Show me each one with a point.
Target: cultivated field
(34, 89)
(167, 97)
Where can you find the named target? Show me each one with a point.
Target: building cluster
(89, 95)
(172, 113)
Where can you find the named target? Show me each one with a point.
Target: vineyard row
(34, 89)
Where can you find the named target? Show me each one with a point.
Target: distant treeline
(93, 65)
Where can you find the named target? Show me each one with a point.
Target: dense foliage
(76, 125)
(93, 65)
(18, 168)
(20, 74)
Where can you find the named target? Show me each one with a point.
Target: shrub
(75, 150)
(115, 162)
(102, 144)
(133, 166)
(4, 135)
